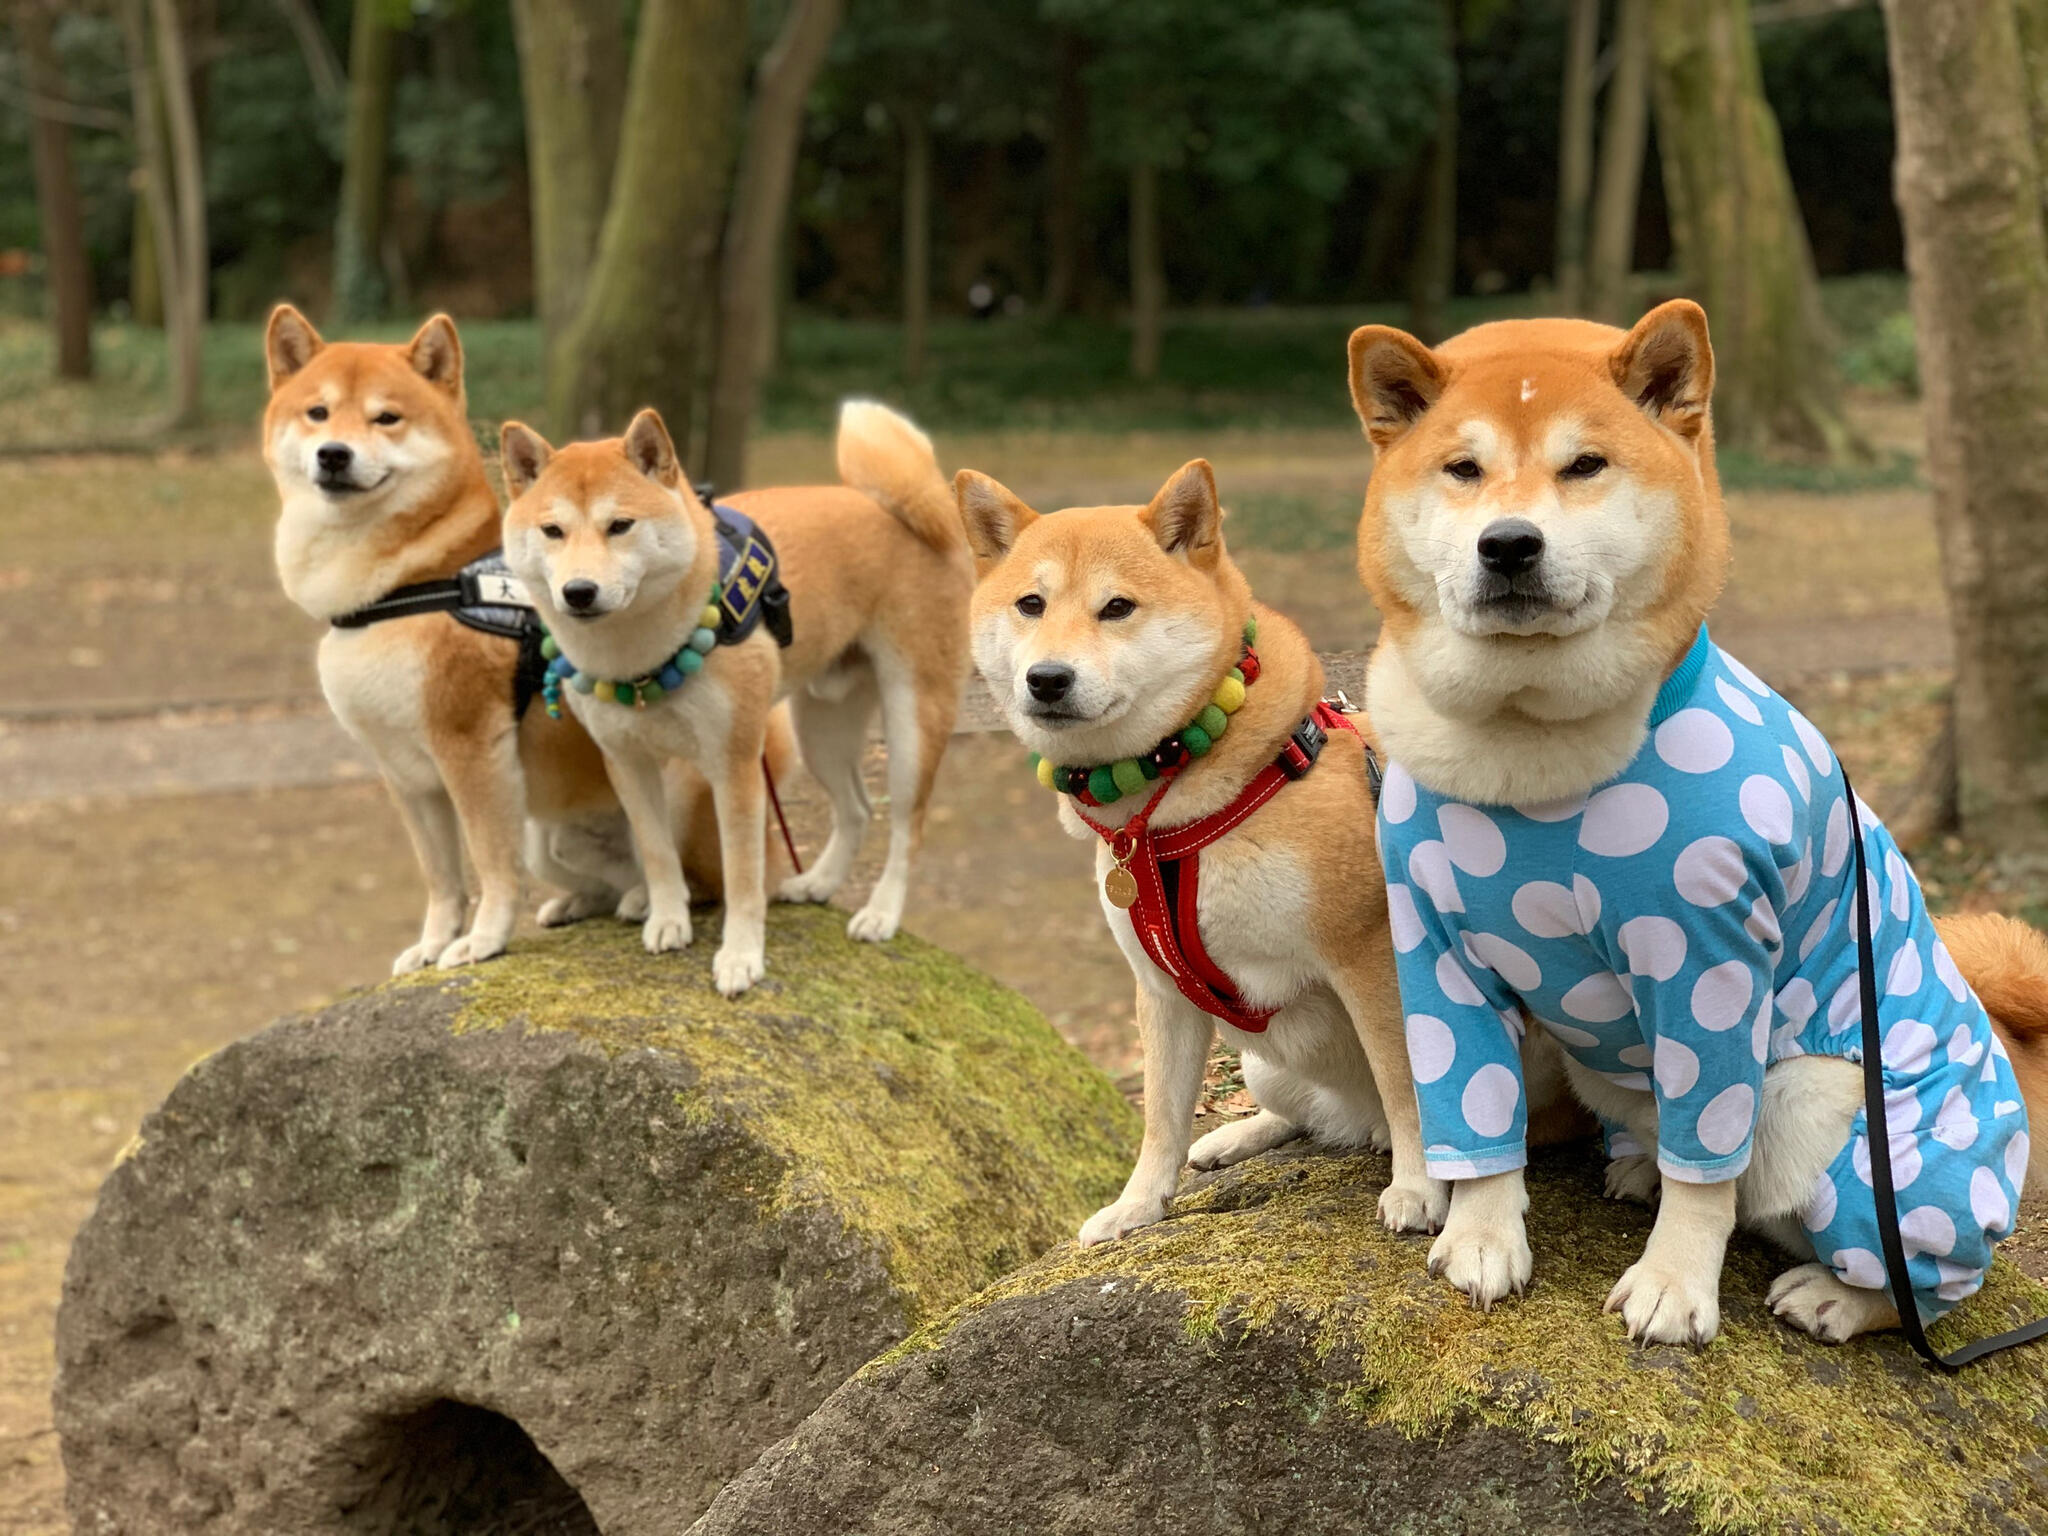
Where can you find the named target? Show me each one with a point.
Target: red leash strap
(781, 820)
(1169, 927)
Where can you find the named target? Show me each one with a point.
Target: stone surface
(1270, 1360)
(559, 1243)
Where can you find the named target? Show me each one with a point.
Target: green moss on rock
(1763, 1431)
(933, 1110)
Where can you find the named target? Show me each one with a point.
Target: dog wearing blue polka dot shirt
(1597, 823)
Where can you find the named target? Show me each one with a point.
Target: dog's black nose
(579, 594)
(1049, 681)
(1508, 546)
(333, 458)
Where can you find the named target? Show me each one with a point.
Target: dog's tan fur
(430, 698)
(878, 573)
(1519, 712)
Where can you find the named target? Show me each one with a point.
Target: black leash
(1880, 1136)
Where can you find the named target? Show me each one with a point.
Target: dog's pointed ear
(1394, 379)
(523, 453)
(435, 353)
(994, 517)
(649, 449)
(289, 343)
(1666, 366)
(1185, 516)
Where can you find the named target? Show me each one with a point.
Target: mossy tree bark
(67, 266)
(1432, 270)
(1739, 236)
(637, 336)
(174, 190)
(360, 287)
(1624, 135)
(1968, 102)
(751, 266)
(1066, 159)
(1148, 272)
(1575, 151)
(572, 75)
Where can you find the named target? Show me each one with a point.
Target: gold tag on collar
(1121, 887)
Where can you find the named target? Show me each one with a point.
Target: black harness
(484, 595)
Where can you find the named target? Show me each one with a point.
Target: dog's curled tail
(2005, 961)
(884, 455)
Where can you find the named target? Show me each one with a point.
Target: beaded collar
(641, 691)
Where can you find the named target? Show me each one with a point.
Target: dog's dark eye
(1117, 608)
(552, 530)
(1463, 469)
(1584, 467)
(618, 526)
(1031, 605)
(386, 418)
(317, 413)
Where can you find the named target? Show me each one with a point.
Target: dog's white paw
(1661, 1303)
(661, 934)
(871, 925)
(418, 958)
(633, 906)
(811, 885)
(1484, 1261)
(1415, 1205)
(469, 949)
(1634, 1178)
(1380, 1138)
(733, 969)
(1114, 1221)
(558, 911)
(1241, 1139)
(1815, 1299)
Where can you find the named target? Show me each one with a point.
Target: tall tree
(1148, 272)
(1066, 164)
(1970, 188)
(1624, 134)
(572, 73)
(751, 260)
(1575, 150)
(1433, 262)
(637, 332)
(360, 287)
(1739, 236)
(174, 187)
(67, 266)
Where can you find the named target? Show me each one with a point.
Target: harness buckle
(1302, 749)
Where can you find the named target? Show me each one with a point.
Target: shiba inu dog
(1594, 816)
(1102, 633)
(621, 557)
(383, 486)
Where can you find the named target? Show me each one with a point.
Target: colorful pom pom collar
(642, 691)
(1107, 783)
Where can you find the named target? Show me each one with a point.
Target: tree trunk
(1739, 236)
(1623, 137)
(917, 238)
(752, 262)
(1148, 272)
(145, 267)
(174, 188)
(637, 334)
(1969, 176)
(572, 72)
(1433, 269)
(322, 67)
(359, 286)
(1067, 162)
(67, 267)
(1575, 152)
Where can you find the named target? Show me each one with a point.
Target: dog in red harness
(1181, 726)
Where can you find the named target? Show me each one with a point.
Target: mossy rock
(559, 1243)
(1268, 1359)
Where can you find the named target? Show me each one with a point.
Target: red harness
(1167, 868)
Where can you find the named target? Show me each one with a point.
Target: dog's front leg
(1175, 1035)
(489, 790)
(1371, 994)
(429, 817)
(1484, 1248)
(740, 797)
(636, 778)
(1672, 1294)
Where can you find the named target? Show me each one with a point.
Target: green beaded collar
(1107, 783)
(640, 691)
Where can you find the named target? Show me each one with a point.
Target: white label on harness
(509, 591)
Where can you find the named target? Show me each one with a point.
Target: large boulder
(560, 1243)
(1270, 1360)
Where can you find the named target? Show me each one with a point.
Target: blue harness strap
(749, 579)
